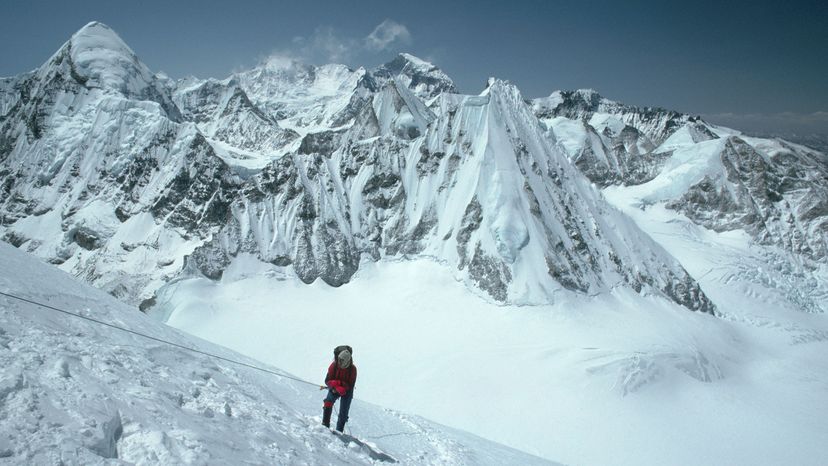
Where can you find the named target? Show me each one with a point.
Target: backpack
(340, 349)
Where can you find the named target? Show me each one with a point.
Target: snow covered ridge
(479, 188)
(775, 190)
(129, 180)
(75, 392)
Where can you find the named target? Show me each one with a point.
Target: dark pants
(344, 406)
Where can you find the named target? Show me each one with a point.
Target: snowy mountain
(519, 269)
(94, 153)
(223, 111)
(306, 98)
(425, 80)
(721, 179)
(314, 169)
(77, 392)
(612, 142)
(477, 187)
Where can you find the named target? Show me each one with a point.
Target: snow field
(619, 379)
(76, 392)
(616, 379)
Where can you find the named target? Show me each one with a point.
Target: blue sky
(752, 62)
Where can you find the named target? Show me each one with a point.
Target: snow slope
(613, 379)
(76, 392)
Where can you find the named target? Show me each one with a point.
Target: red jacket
(347, 377)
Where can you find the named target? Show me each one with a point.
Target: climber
(340, 381)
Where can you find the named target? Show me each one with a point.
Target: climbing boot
(326, 416)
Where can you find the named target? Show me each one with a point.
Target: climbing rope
(160, 340)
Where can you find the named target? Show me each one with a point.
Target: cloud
(324, 45)
(387, 34)
(334, 47)
(327, 45)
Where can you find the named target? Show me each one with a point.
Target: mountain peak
(95, 57)
(589, 98)
(98, 36)
(423, 78)
(98, 53)
(587, 94)
(501, 87)
(96, 26)
(415, 61)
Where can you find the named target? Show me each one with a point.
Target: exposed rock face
(613, 143)
(780, 200)
(223, 111)
(422, 78)
(444, 187)
(657, 124)
(772, 189)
